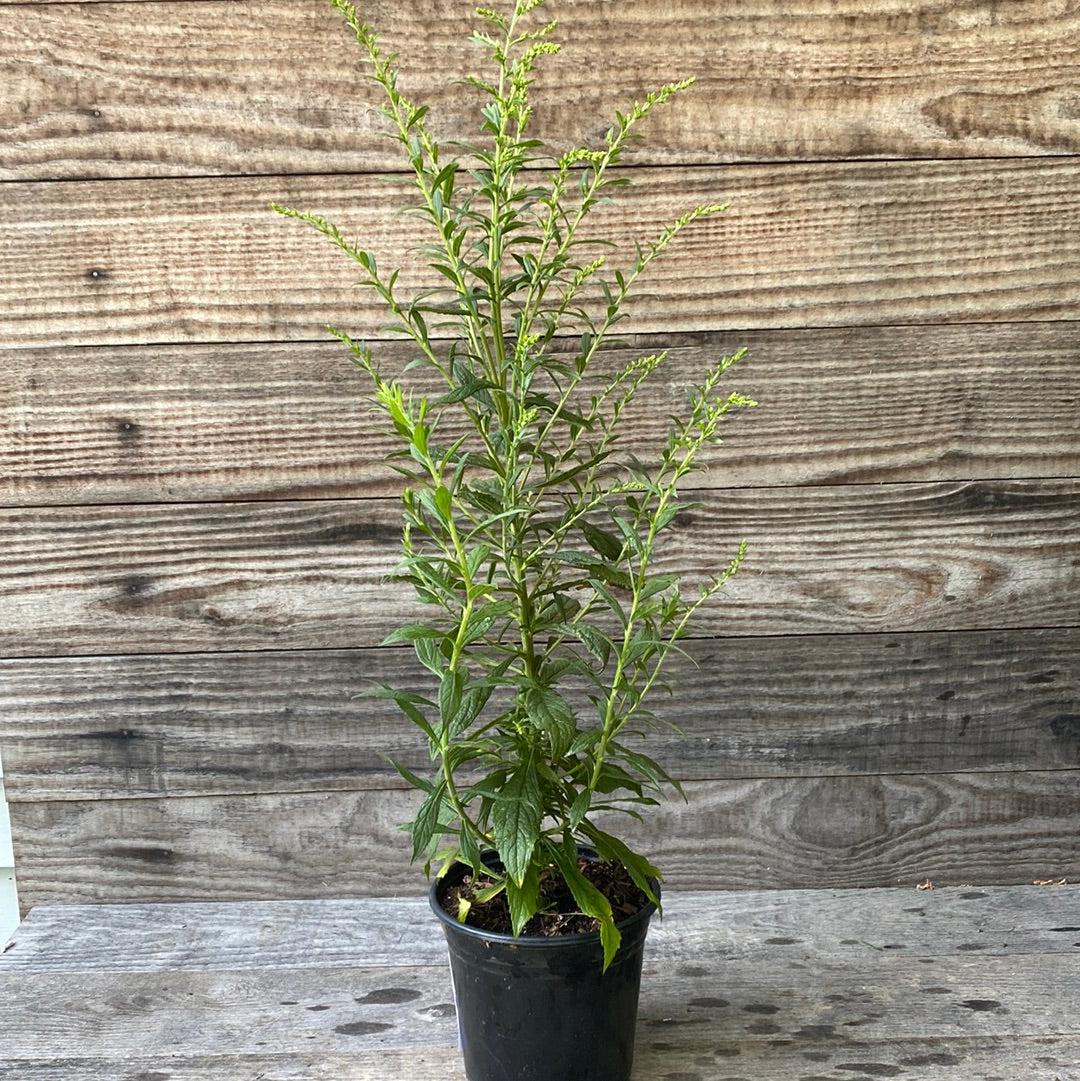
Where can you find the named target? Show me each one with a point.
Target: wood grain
(785, 1001)
(230, 723)
(835, 79)
(293, 1011)
(976, 1058)
(766, 833)
(704, 927)
(871, 983)
(128, 262)
(849, 404)
(90, 580)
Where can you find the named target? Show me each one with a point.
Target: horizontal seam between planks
(936, 631)
(206, 343)
(626, 165)
(693, 781)
(629, 339)
(284, 500)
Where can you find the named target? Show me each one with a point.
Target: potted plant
(533, 542)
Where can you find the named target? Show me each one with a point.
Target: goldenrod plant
(530, 536)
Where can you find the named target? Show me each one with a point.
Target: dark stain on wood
(363, 1028)
(818, 1032)
(389, 995)
(764, 1028)
(440, 1011)
(874, 1069)
(1043, 677)
(1065, 728)
(128, 433)
(356, 532)
(144, 853)
(136, 585)
(936, 1058)
(983, 1005)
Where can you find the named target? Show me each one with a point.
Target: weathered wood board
(771, 985)
(839, 405)
(706, 927)
(197, 724)
(760, 833)
(978, 1058)
(846, 559)
(187, 627)
(283, 1010)
(831, 80)
(144, 261)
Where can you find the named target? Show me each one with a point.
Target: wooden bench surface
(978, 984)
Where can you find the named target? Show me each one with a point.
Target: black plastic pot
(542, 1009)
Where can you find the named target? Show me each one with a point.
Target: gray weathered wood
(292, 1010)
(767, 1006)
(974, 1058)
(284, 575)
(169, 423)
(129, 262)
(764, 833)
(918, 80)
(785, 925)
(197, 724)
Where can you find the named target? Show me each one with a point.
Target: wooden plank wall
(195, 523)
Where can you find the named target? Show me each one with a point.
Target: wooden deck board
(1002, 920)
(270, 721)
(837, 78)
(755, 984)
(239, 421)
(777, 833)
(135, 262)
(982, 1058)
(283, 575)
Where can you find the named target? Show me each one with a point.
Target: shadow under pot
(542, 1009)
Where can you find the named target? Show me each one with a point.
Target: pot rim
(581, 938)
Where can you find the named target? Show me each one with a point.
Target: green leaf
(416, 782)
(610, 600)
(657, 585)
(647, 767)
(665, 516)
(429, 656)
(414, 632)
(524, 900)
(409, 704)
(469, 389)
(580, 808)
(548, 711)
(450, 688)
(638, 867)
(426, 823)
(516, 817)
(587, 897)
(443, 502)
(473, 700)
(595, 641)
(604, 542)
